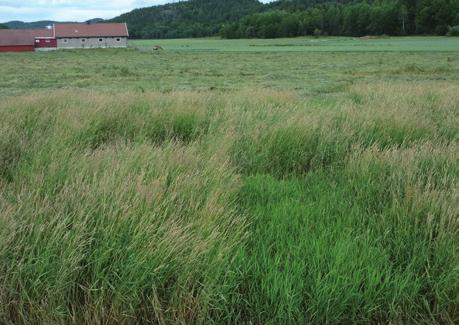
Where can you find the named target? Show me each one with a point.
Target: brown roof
(91, 30)
(22, 36)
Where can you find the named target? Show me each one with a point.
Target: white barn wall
(91, 42)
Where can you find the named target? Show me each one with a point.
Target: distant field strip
(184, 65)
(309, 44)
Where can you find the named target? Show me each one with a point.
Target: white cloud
(70, 10)
(31, 10)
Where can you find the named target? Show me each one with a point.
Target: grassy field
(308, 44)
(309, 73)
(220, 182)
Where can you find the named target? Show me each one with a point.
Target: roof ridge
(91, 30)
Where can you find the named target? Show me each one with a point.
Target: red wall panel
(46, 43)
(17, 48)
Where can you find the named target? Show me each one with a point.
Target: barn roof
(91, 30)
(10, 37)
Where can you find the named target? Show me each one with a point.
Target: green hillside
(290, 18)
(15, 24)
(194, 18)
(286, 18)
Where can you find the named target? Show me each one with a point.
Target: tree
(403, 14)
(3, 26)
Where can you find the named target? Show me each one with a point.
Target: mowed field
(284, 181)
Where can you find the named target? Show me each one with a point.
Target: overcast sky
(70, 10)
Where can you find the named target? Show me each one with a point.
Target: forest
(356, 18)
(290, 18)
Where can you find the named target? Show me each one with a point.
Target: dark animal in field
(157, 48)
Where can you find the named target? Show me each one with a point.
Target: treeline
(3, 26)
(289, 18)
(356, 18)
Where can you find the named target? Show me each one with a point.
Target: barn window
(83, 40)
(65, 41)
(101, 40)
(118, 39)
(37, 41)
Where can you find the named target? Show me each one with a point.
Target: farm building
(91, 35)
(25, 40)
(65, 36)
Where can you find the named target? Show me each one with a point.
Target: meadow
(216, 181)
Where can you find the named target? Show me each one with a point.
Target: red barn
(65, 36)
(26, 40)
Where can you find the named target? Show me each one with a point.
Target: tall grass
(248, 207)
